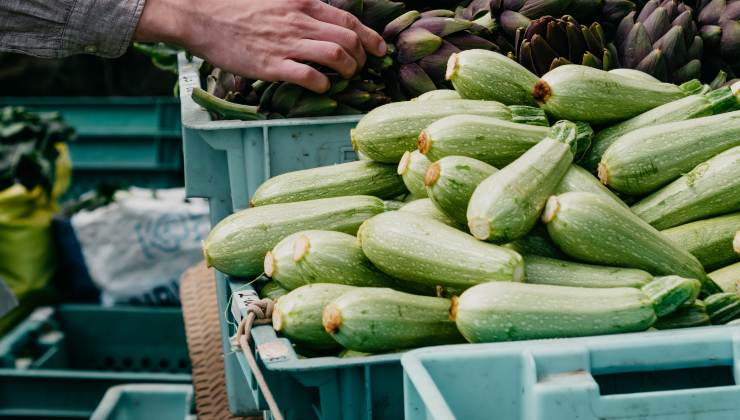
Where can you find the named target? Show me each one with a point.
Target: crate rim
(197, 118)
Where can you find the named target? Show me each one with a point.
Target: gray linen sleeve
(58, 28)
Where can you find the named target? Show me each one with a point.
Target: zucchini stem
(403, 165)
(552, 206)
(331, 318)
(432, 175)
(424, 143)
(269, 264)
(541, 92)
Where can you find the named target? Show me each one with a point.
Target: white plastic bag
(137, 247)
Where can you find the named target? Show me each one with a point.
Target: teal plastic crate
(120, 140)
(146, 401)
(60, 361)
(690, 374)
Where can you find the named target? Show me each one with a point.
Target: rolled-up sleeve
(58, 28)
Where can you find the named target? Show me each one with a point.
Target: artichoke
(549, 42)
(719, 28)
(424, 42)
(662, 40)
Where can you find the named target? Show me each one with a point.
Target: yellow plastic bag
(27, 257)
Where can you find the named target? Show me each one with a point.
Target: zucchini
(297, 315)
(351, 178)
(425, 208)
(237, 245)
(436, 95)
(491, 140)
(272, 290)
(412, 167)
(378, 320)
(593, 229)
(430, 254)
(537, 242)
(579, 179)
(506, 205)
(693, 315)
(393, 205)
(710, 189)
(451, 181)
(644, 160)
(488, 75)
(320, 256)
(709, 240)
(668, 293)
(543, 270)
(728, 278)
(500, 311)
(636, 74)
(723, 307)
(387, 131)
(582, 93)
(694, 106)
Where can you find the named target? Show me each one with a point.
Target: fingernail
(382, 47)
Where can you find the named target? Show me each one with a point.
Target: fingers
(300, 74)
(327, 54)
(347, 39)
(372, 42)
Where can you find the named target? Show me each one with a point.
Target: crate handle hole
(146, 363)
(665, 380)
(164, 363)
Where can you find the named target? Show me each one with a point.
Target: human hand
(267, 40)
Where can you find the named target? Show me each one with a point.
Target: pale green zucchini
(379, 320)
(694, 106)
(543, 270)
(668, 293)
(272, 290)
(237, 245)
(320, 256)
(728, 278)
(491, 140)
(709, 240)
(723, 307)
(710, 189)
(582, 93)
(644, 160)
(636, 74)
(412, 167)
(351, 178)
(503, 311)
(436, 95)
(693, 315)
(537, 242)
(506, 205)
(594, 229)
(386, 132)
(451, 181)
(393, 205)
(298, 314)
(488, 75)
(578, 179)
(425, 208)
(430, 254)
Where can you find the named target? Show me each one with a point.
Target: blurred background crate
(60, 361)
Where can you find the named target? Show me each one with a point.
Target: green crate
(146, 401)
(120, 140)
(60, 361)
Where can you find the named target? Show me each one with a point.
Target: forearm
(58, 28)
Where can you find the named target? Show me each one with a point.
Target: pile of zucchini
(613, 205)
